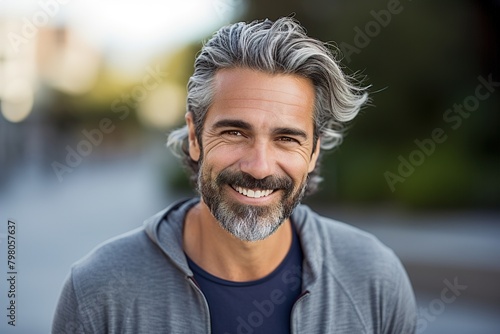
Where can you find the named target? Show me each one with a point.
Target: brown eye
(288, 139)
(235, 133)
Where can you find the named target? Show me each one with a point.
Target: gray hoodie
(140, 282)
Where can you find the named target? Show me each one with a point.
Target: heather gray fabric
(140, 282)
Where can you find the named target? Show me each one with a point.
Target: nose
(259, 161)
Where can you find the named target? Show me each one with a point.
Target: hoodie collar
(165, 230)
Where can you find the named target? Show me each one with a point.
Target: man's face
(257, 143)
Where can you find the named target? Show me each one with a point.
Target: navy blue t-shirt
(260, 306)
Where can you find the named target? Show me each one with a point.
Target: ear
(314, 156)
(194, 146)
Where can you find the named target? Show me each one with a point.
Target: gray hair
(272, 47)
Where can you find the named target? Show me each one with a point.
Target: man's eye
(288, 139)
(232, 133)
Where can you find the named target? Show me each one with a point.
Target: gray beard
(247, 222)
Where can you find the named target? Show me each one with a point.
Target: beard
(248, 222)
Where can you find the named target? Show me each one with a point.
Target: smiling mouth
(253, 193)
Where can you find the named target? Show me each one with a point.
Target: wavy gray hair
(272, 47)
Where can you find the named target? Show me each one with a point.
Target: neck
(223, 255)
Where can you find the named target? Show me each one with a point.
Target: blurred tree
(420, 60)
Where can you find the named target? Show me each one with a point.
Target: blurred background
(90, 90)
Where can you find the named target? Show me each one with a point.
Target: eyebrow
(229, 123)
(290, 132)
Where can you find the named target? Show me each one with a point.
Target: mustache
(244, 180)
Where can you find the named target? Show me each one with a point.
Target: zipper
(207, 309)
(302, 296)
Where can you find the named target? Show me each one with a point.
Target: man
(245, 257)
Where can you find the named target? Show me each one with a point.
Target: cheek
(219, 157)
(296, 166)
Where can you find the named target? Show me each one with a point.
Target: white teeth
(253, 193)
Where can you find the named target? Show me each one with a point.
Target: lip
(253, 200)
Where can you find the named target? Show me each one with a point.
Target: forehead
(262, 97)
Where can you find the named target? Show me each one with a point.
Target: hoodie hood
(165, 230)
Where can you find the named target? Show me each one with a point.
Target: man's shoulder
(124, 249)
(345, 246)
(336, 233)
(153, 248)
(357, 278)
